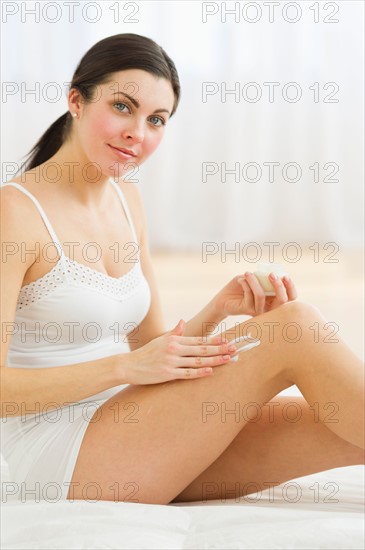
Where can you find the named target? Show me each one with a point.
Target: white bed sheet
(261, 521)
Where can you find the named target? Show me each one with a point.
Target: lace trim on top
(68, 270)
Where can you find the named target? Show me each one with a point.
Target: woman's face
(129, 112)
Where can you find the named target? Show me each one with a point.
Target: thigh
(286, 440)
(148, 442)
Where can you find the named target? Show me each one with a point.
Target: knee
(300, 309)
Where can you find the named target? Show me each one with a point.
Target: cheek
(152, 142)
(106, 128)
(100, 126)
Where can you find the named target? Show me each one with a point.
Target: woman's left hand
(244, 295)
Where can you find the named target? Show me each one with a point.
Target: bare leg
(286, 441)
(330, 377)
(175, 439)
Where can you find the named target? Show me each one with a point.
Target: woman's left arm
(205, 322)
(243, 295)
(152, 325)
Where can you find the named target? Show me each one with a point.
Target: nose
(134, 131)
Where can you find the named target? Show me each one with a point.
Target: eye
(124, 105)
(158, 120)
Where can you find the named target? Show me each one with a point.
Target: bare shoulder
(19, 215)
(13, 195)
(13, 201)
(18, 232)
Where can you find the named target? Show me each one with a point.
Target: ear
(75, 101)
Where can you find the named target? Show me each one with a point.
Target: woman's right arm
(29, 390)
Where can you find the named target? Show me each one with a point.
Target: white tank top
(75, 313)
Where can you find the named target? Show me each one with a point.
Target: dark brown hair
(115, 53)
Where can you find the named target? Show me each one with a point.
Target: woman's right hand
(173, 356)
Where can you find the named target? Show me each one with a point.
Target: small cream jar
(262, 274)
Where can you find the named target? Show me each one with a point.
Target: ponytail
(49, 143)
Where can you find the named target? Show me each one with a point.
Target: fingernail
(273, 276)
(234, 358)
(286, 278)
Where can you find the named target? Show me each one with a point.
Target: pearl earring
(75, 114)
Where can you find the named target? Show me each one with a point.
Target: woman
(98, 402)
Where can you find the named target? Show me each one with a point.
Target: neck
(82, 182)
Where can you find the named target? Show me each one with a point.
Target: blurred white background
(318, 46)
(183, 210)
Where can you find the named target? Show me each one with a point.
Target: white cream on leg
(246, 347)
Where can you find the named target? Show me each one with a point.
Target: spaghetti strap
(126, 208)
(48, 224)
(42, 213)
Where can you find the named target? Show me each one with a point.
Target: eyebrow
(137, 104)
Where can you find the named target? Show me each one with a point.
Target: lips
(123, 150)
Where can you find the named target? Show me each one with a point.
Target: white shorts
(41, 450)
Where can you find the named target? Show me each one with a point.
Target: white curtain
(209, 134)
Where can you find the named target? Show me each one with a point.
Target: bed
(324, 510)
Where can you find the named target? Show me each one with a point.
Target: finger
(204, 351)
(249, 298)
(279, 288)
(200, 340)
(179, 328)
(257, 292)
(246, 289)
(290, 288)
(188, 374)
(200, 362)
